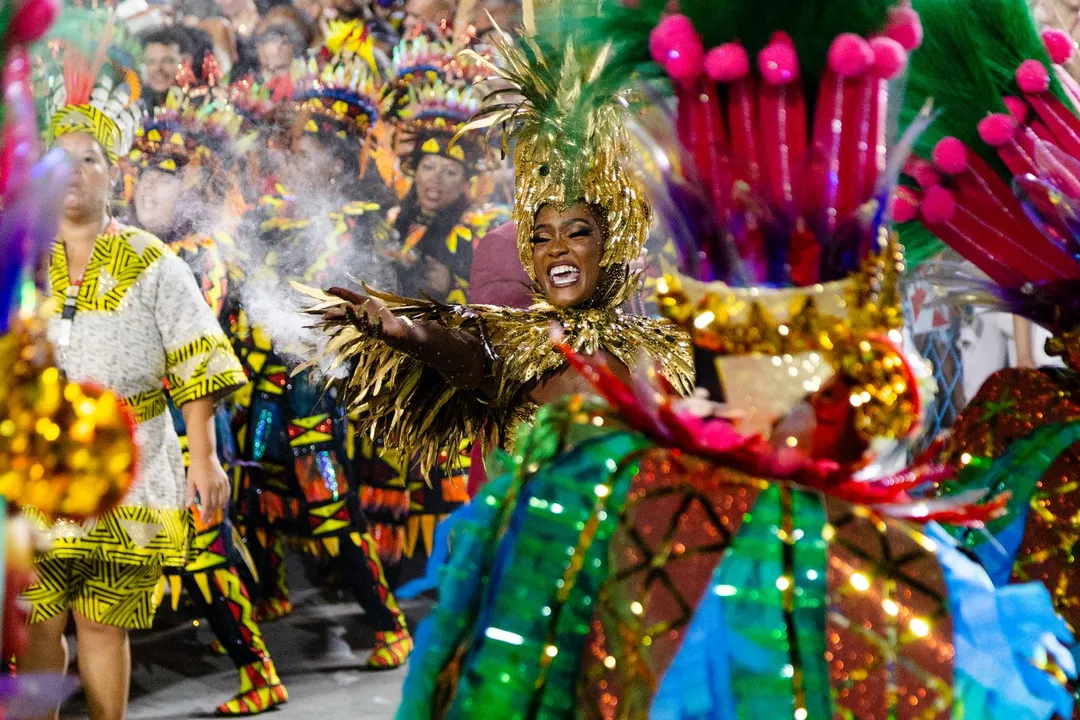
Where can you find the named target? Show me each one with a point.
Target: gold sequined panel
(852, 325)
(119, 258)
(734, 321)
(889, 632)
(679, 518)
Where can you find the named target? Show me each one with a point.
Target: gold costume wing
(413, 409)
(396, 398)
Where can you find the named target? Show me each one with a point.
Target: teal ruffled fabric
(1018, 470)
(739, 658)
(1001, 636)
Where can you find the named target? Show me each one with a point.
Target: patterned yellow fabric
(120, 257)
(146, 405)
(115, 594)
(86, 118)
(140, 323)
(125, 535)
(205, 367)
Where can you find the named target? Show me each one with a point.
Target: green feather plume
(79, 27)
(966, 64)
(812, 25)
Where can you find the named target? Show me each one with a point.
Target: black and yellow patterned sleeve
(199, 359)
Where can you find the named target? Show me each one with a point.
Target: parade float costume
(996, 181)
(432, 98)
(133, 322)
(297, 434)
(191, 138)
(646, 559)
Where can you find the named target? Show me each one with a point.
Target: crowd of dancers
(329, 165)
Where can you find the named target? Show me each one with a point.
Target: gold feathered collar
(415, 410)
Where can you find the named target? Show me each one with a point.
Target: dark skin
(570, 237)
(570, 240)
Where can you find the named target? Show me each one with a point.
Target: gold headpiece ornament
(566, 112)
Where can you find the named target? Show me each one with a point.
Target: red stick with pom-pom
(824, 166)
(782, 116)
(851, 57)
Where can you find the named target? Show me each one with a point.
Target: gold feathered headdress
(567, 113)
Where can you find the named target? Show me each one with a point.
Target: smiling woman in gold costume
(429, 376)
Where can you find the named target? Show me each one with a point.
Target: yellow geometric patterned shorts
(117, 594)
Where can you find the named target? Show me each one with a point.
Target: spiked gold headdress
(565, 111)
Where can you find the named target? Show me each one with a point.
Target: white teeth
(564, 275)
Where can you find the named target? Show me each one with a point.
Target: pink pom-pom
(997, 129)
(938, 205)
(890, 58)
(33, 19)
(685, 61)
(905, 27)
(950, 156)
(905, 206)
(667, 34)
(850, 55)
(1058, 44)
(677, 48)
(727, 63)
(1033, 77)
(922, 172)
(778, 62)
(1017, 108)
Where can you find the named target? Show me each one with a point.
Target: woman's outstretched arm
(457, 354)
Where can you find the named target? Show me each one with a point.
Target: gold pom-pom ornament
(66, 449)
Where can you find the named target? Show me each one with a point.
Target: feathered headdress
(562, 102)
(776, 188)
(190, 133)
(998, 173)
(435, 112)
(340, 93)
(432, 98)
(98, 96)
(425, 58)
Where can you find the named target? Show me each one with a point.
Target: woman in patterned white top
(130, 317)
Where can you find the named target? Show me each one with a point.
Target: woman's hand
(207, 478)
(205, 475)
(370, 315)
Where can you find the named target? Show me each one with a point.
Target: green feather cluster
(79, 27)
(812, 25)
(966, 64)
